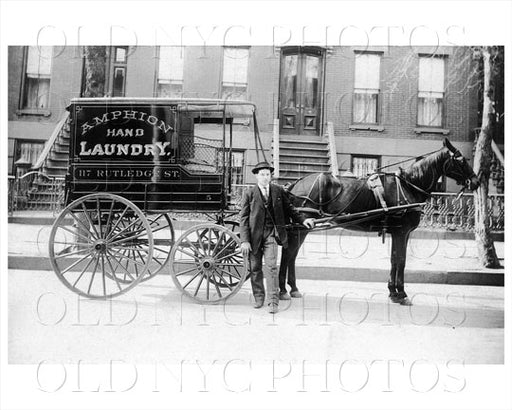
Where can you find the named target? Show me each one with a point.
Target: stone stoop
(300, 156)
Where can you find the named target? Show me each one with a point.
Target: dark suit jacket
(252, 215)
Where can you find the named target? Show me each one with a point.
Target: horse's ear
(449, 145)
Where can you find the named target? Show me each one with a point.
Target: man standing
(265, 211)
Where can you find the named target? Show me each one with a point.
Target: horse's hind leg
(393, 293)
(283, 268)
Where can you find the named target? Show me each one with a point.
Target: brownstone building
(371, 106)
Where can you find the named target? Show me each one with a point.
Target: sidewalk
(337, 254)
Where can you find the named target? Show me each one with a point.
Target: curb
(477, 278)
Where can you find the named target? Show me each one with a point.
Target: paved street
(336, 320)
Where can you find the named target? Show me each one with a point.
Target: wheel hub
(208, 264)
(100, 246)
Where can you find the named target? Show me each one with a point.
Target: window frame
(46, 112)
(221, 82)
(358, 124)
(365, 156)
(157, 73)
(423, 127)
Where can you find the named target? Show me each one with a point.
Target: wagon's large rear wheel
(207, 263)
(101, 245)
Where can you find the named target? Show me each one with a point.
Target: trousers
(267, 251)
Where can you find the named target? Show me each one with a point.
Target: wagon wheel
(163, 240)
(233, 226)
(207, 263)
(100, 246)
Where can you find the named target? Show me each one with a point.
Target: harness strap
(375, 184)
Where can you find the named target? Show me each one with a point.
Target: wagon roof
(233, 109)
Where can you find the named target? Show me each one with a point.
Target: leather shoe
(258, 303)
(295, 294)
(273, 308)
(284, 296)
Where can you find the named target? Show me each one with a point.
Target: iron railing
(37, 191)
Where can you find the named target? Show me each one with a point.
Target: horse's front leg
(399, 255)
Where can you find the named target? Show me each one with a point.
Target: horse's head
(457, 168)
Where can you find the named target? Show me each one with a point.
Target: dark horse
(325, 195)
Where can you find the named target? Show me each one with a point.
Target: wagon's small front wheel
(101, 246)
(207, 263)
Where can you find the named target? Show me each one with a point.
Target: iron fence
(37, 191)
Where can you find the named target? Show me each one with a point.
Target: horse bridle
(456, 170)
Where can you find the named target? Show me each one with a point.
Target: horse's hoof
(405, 301)
(393, 296)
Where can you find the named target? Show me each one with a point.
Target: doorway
(301, 80)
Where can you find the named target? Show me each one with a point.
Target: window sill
(367, 127)
(28, 111)
(426, 130)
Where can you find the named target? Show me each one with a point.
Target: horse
(323, 194)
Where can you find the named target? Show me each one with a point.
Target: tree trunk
(94, 71)
(482, 164)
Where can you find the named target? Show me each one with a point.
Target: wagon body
(149, 152)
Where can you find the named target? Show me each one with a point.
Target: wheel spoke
(219, 275)
(199, 272)
(83, 271)
(127, 239)
(193, 246)
(132, 260)
(116, 261)
(226, 256)
(99, 217)
(74, 264)
(90, 220)
(230, 274)
(229, 242)
(114, 274)
(77, 234)
(93, 274)
(103, 282)
(214, 274)
(85, 228)
(199, 284)
(126, 228)
(188, 254)
(110, 212)
(119, 219)
(186, 271)
(214, 252)
(72, 253)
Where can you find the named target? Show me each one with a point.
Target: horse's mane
(426, 171)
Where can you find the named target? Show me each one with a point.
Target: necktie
(265, 193)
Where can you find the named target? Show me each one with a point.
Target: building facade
(385, 104)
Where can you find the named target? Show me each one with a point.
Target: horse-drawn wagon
(132, 162)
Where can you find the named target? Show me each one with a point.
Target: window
(234, 73)
(431, 91)
(36, 84)
(237, 167)
(364, 165)
(170, 72)
(119, 71)
(26, 154)
(237, 164)
(366, 88)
